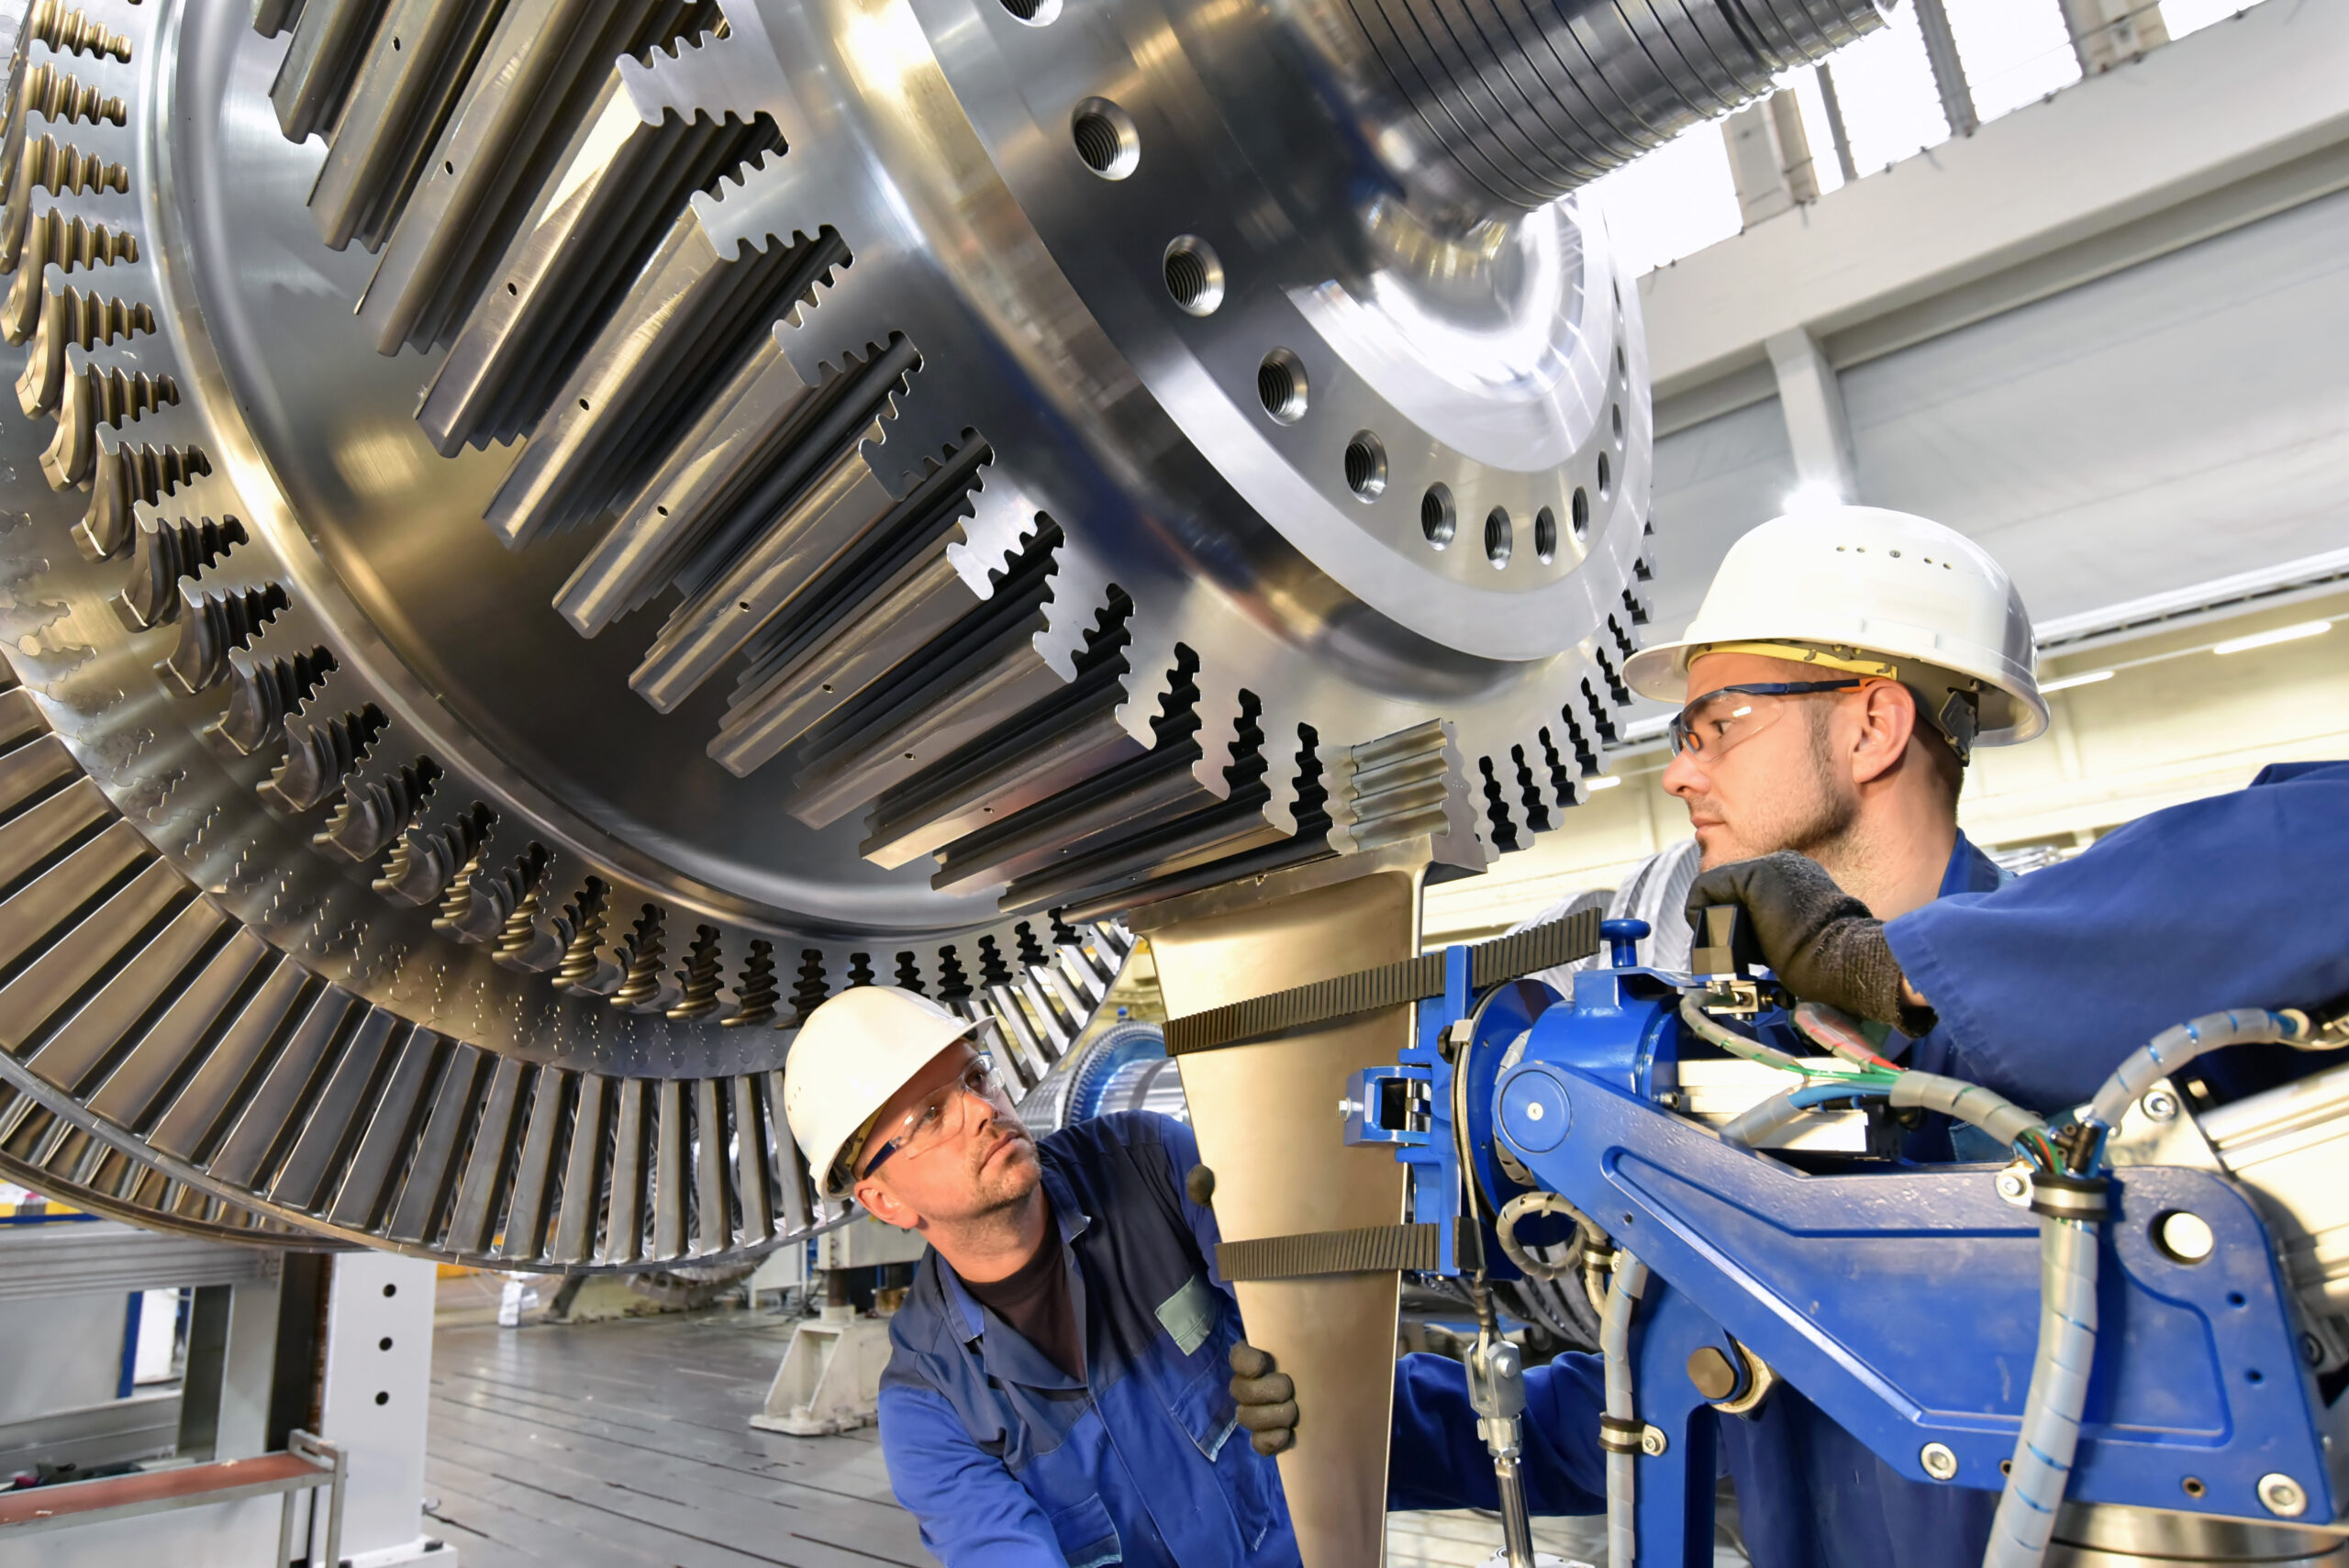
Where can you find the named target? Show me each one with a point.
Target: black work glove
(1266, 1398)
(1821, 942)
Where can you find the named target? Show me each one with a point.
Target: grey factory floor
(622, 1444)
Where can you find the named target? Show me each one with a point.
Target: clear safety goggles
(943, 1115)
(1720, 720)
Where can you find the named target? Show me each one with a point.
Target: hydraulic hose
(1692, 1015)
(2059, 1388)
(1994, 1114)
(1620, 1431)
(2174, 1048)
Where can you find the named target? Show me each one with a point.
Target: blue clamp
(1392, 1105)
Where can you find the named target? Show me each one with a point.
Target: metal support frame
(306, 1463)
(2202, 1406)
(1811, 401)
(1949, 69)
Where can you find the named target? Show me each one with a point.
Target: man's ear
(882, 1205)
(1888, 720)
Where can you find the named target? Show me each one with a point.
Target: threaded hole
(1545, 535)
(1605, 477)
(1280, 386)
(1616, 416)
(1580, 510)
(1366, 465)
(1035, 13)
(1106, 138)
(1499, 537)
(1194, 275)
(1436, 520)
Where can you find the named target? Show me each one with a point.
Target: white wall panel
(1713, 481)
(2184, 420)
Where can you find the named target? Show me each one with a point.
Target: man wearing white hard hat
(1057, 1387)
(2037, 987)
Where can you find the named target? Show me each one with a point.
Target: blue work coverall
(2044, 985)
(1010, 1462)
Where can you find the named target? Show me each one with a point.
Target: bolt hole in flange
(1366, 465)
(1616, 416)
(1194, 274)
(1281, 386)
(1498, 537)
(1545, 536)
(1106, 138)
(1580, 510)
(1605, 477)
(1436, 519)
(2184, 1237)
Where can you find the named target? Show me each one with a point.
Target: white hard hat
(850, 1055)
(1832, 585)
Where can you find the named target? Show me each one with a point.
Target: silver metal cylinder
(2102, 1537)
(1498, 105)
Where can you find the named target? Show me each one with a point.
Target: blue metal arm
(1903, 1301)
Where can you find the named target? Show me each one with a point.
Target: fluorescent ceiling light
(2269, 639)
(1648, 729)
(1610, 782)
(1813, 496)
(2068, 682)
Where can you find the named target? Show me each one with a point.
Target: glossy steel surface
(582, 529)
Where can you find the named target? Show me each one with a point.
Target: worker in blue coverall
(1057, 1390)
(2037, 989)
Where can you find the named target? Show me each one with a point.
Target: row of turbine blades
(670, 320)
(376, 795)
(160, 1061)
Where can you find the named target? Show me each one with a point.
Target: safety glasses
(1720, 720)
(943, 1115)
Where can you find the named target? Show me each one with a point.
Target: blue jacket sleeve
(2046, 985)
(1439, 1461)
(973, 1514)
(1182, 1153)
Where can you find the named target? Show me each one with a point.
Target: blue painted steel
(1624, 1027)
(1366, 1099)
(1903, 1301)
(1624, 941)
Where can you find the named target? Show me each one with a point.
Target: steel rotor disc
(579, 529)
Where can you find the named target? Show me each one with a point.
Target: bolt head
(2159, 1104)
(2282, 1496)
(1710, 1370)
(1653, 1442)
(2014, 1187)
(1939, 1462)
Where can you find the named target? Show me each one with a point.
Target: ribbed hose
(1757, 1122)
(1533, 98)
(1971, 1102)
(2059, 1392)
(1615, 1344)
(2174, 1048)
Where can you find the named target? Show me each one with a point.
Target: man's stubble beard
(1822, 830)
(1818, 818)
(1000, 1194)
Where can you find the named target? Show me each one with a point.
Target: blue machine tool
(1517, 1105)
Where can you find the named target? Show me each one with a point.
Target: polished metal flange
(582, 526)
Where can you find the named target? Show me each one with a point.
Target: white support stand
(379, 1375)
(830, 1377)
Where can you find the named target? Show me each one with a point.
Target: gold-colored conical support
(1269, 1126)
